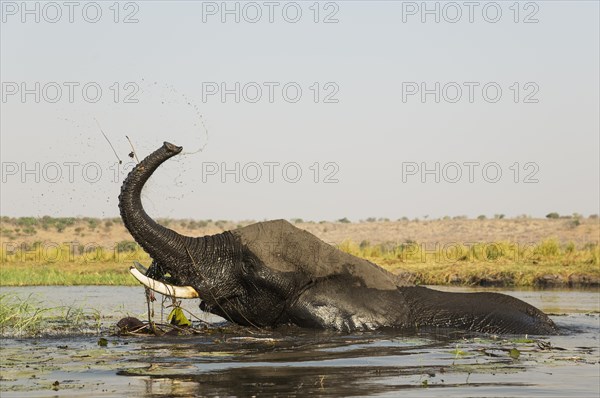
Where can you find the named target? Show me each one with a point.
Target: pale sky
(350, 104)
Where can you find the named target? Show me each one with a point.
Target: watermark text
(69, 92)
(470, 172)
(69, 11)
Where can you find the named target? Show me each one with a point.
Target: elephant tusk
(141, 268)
(187, 292)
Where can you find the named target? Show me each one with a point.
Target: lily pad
(514, 353)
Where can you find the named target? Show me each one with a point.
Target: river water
(63, 357)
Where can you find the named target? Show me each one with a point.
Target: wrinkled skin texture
(272, 273)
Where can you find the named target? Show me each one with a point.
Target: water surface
(235, 361)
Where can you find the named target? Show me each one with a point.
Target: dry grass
(548, 263)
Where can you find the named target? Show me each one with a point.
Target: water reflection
(322, 364)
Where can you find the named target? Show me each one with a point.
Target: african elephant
(272, 273)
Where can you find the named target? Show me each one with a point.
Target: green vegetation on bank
(65, 264)
(546, 263)
(65, 275)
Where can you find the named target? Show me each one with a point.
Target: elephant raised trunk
(163, 244)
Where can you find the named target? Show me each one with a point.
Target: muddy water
(66, 360)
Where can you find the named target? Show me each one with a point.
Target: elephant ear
(285, 248)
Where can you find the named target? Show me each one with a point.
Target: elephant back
(285, 248)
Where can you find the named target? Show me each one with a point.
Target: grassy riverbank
(565, 252)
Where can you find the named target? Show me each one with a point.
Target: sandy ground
(522, 230)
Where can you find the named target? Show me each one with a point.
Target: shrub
(29, 230)
(61, 223)
(92, 223)
(481, 217)
(46, 222)
(344, 220)
(126, 246)
(27, 221)
(552, 215)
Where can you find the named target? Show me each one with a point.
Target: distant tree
(344, 220)
(481, 217)
(552, 215)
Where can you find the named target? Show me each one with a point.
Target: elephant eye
(247, 266)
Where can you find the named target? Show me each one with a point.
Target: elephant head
(215, 268)
(272, 273)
